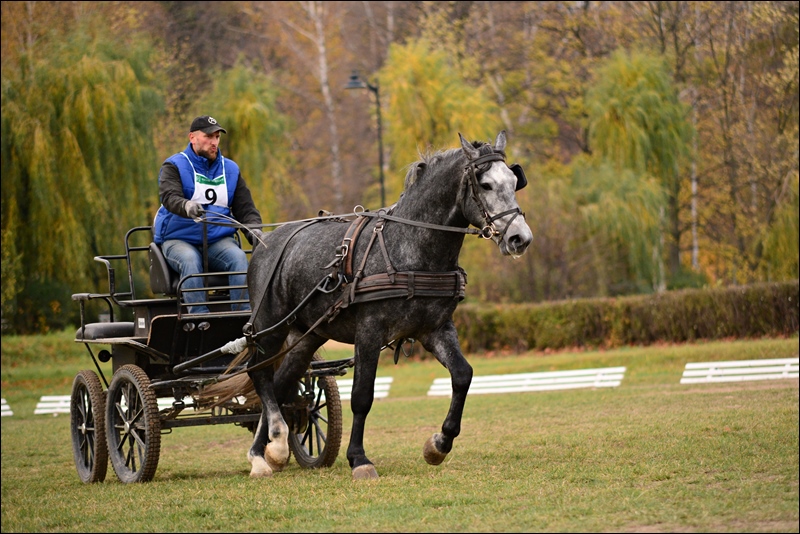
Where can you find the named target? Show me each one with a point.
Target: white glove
(193, 209)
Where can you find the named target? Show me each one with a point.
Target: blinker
(522, 181)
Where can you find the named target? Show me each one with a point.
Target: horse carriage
(370, 279)
(162, 359)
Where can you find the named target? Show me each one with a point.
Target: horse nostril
(518, 243)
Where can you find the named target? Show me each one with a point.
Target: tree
(428, 105)
(246, 101)
(78, 113)
(621, 209)
(638, 123)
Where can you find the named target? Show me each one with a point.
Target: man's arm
(170, 190)
(243, 208)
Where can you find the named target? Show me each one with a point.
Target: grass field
(648, 456)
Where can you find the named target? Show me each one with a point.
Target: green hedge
(768, 309)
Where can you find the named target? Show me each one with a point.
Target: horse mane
(433, 160)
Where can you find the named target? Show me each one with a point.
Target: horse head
(490, 201)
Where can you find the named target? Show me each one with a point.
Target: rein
(391, 284)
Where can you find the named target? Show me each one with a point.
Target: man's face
(205, 145)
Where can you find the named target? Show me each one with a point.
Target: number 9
(211, 196)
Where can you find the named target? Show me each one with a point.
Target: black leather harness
(357, 288)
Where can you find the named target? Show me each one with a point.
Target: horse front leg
(270, 450)
(444, 345)
(361, 398)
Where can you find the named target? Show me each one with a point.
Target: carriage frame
(168, 353)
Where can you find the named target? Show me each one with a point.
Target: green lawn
(650, 455)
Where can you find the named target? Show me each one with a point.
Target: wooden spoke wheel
(315, 422)
(133, 429)
(87, 410)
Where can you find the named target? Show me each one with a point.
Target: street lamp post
(357, 83)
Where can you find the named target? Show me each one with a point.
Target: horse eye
(486, 187)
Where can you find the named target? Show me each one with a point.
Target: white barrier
(54, 404)
(739, 371)
(6, 409)
(382, 385)
(546, 381)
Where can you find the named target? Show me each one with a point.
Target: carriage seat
(163, 278)
(93, 331)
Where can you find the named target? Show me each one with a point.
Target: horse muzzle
(516, 239)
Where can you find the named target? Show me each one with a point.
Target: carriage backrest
(163, 279)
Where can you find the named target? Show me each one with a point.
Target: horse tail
(238, 385)
(219, 393)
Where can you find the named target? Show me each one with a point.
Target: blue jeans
(223, 255)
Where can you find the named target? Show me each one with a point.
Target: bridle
(473, 170)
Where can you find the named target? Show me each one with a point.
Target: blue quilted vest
(211, 185)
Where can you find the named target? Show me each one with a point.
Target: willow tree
(246, 102)
(781, 249)
(621, 210)
(637, 122)
(78, 113)
(428, 104)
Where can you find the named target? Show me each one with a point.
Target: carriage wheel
(87, 410)
(133, 428)
(316, 440)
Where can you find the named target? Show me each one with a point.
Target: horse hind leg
(270, 450)
(265, 460)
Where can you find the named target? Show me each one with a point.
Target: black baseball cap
(207, 125)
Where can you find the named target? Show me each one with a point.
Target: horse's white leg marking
(365, 472)
(431, 453)
(260, 468)
(277, 451)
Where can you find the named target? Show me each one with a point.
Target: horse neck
(436, 201)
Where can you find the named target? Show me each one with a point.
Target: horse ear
(419, 169)
(415, 172)
(500, 142)
(470, 150)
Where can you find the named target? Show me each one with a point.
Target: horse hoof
(260, 468)
(365, 472)
(431, 453)
(275, 467)
(277, 459)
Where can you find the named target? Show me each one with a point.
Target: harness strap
(360, 274)
(272, 359)
(382, 215)
(411, 284)
(347, 249)
(389, 267)
(496, 155)
(248, 326)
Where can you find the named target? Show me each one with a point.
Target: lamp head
(355, 82)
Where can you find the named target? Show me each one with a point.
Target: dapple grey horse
(382, 278)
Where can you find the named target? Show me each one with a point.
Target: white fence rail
(739, 371)
(694, 373)
(7, 409)
(382, 385)
(54, 404)
(522, 382)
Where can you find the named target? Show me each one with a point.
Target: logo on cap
(212, 120)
